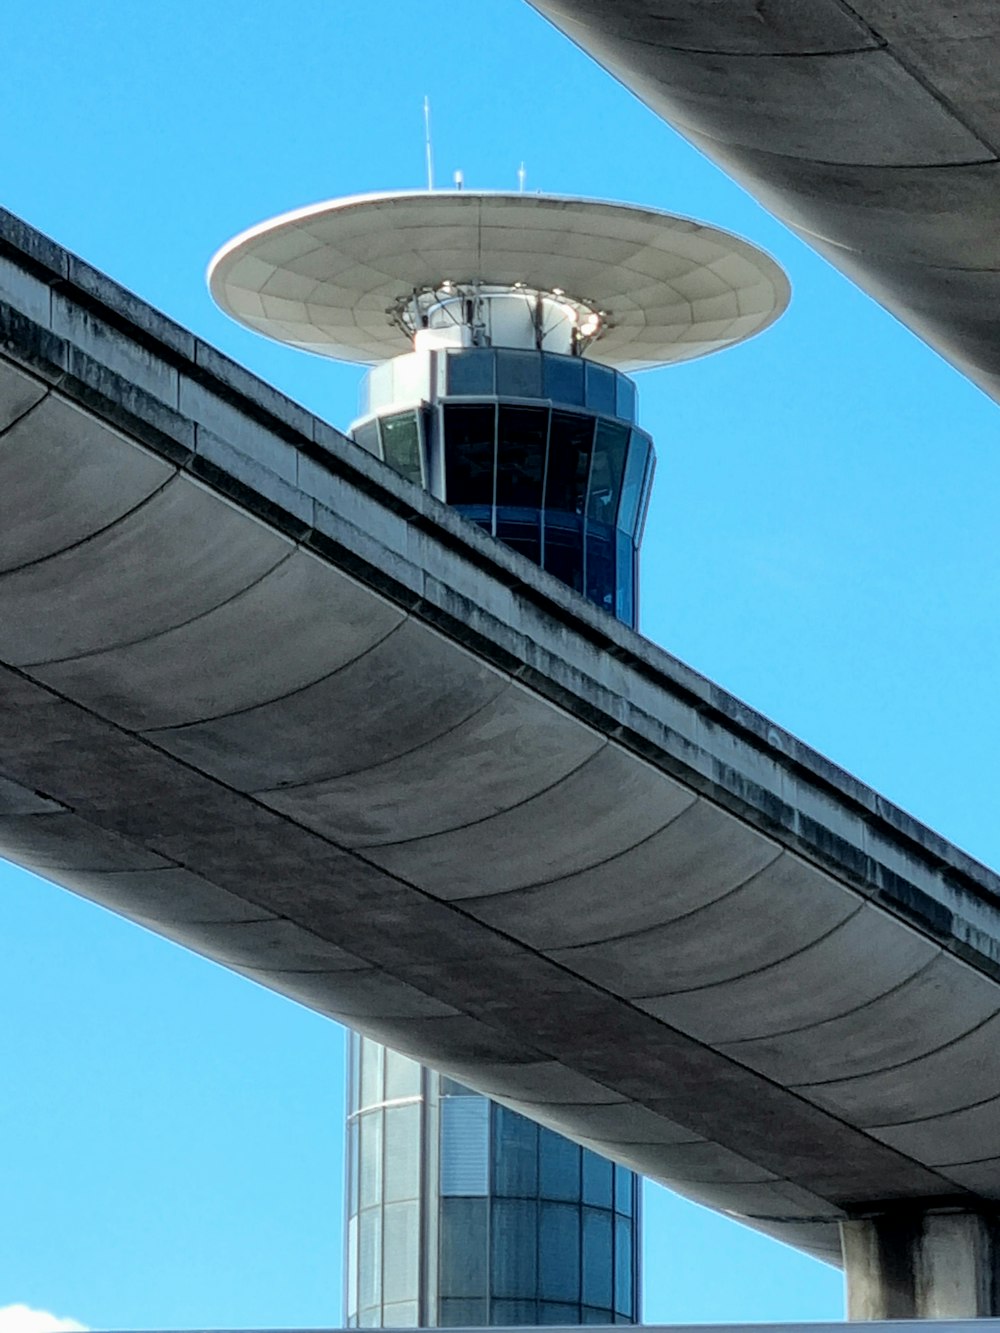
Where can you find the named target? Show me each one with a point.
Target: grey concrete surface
(940, 1264)
(264, 697)
(872, 129)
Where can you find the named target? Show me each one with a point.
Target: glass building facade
(462, 1212)
(540, 449)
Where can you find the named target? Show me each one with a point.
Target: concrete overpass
(265, 698)
(871, 128)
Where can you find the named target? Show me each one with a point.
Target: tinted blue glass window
(449, 1088)
(623, 1266)
(401, 445)
(465, 1146)
(513, 1313)
(597, 1180)
(598, 1243)
(635, 473)
(462, 1314)
(550, 1313)
(601, 395)
(624, 1190)
(370, 1258)
(625, 398)
(647, 490)
(463, 1248)
(564, 379)
(352, 1166)
(601, 545)
(559, 1252)
(366, 435)
(471, 372)
(570, 443)
(625, 580)
(610, 448)
(470, 448)
(522, 435)
(521, 533)
(519, 374)
(513, 1245)
(558, 1167)
(592, 1316)
(564, 549)
(515, 1154)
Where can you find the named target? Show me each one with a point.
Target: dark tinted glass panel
(470, 443)
(559, 1252)
(610, 448)
(549, 1313)
(564, 549)
(471, 372)
(635, 473)
(597, 1253)
(463, 1314)
(564, 379)
(401, 445)
(515, 1154)
(624, 580)
(597, 1182)
(520, 533)
(521, 440)
(601, 566)
(600, 388)
(512, 1313)
(558, 1167)
(625, 398)
(463, 1242)
(624, 1190)
(623, 1265)
(519, 374)
(513, 1245)
(592, 1316)
(367, 436)
(570, 443)
(647, 490)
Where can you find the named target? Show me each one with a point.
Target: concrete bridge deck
(265, 698)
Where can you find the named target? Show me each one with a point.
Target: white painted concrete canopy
(872, 129)
(259, 694)
(323, 278)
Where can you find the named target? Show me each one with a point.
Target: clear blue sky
(822, 542)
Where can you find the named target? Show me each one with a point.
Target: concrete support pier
(922, 1264)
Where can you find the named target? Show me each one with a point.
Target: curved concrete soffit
(872, 130)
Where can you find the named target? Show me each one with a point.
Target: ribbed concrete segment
(872, 129)
(266, 698)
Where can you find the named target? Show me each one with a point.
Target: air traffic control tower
(500, 327)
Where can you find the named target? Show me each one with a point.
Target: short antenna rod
(521, 174)
(427, 143)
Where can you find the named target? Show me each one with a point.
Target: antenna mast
(427, 142)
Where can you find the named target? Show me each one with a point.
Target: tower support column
(919, 1263)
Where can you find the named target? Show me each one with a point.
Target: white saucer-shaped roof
(322, 278)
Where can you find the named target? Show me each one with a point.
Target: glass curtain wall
(461, 1212)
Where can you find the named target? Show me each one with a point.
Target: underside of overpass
(266, 698)
(872, 128)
